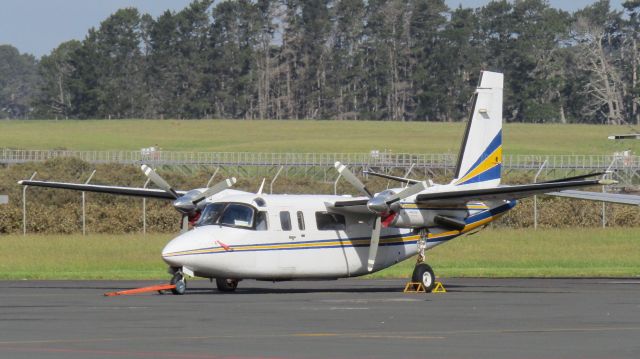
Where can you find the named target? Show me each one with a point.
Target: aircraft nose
(171, 252)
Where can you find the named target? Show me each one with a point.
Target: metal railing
(376, 160)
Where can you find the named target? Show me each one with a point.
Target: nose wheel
(180, 283)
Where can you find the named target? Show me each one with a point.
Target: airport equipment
(241, 235)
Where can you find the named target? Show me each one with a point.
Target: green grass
(80, 257)
(300, 136)
(491, 253)
(528, 253)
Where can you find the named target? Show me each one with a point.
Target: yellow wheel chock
(439, 288)
(414, 287)
(417, 287)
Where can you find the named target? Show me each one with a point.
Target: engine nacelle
(418, 218)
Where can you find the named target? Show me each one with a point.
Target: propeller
(187, 204)
(158, 181)
(380, 205)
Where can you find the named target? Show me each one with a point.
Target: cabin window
(261, 221)
(330, 221)
(237, 215)
(300, 221)
(285, 220)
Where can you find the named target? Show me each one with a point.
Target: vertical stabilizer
(480, 159)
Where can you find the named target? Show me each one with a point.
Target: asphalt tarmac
(351, 318)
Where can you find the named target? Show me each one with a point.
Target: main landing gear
(226, 285)
(422, 273)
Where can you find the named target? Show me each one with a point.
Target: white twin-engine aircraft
(240, 235)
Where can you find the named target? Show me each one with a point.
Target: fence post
(406, 175)
(24, 205)
(144, 210)
(274, 179)
(535, 198)
(84, 222)
(335, 184)
(604, 204)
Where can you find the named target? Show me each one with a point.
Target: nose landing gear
(180, 282)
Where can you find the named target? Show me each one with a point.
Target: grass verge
(301, 136)
(490, 253)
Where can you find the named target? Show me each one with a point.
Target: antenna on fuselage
(261, 186)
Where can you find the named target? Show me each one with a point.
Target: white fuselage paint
(218, 251)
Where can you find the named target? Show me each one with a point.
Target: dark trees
(401, 60)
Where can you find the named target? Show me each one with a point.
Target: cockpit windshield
(210, 214)
(228, 214)
(237, 215)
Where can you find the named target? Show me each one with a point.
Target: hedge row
(60, 211)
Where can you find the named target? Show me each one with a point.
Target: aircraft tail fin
(480, 159)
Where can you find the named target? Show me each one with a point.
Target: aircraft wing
(124, 191)
(504, 192)
(600, 196)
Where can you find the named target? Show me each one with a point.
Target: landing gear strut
(422, 272)
(226, 284)
(180, 283)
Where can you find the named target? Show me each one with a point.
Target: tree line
(400, 60)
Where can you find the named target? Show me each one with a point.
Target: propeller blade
(375, 240)
(216, 188)
(351, 178)
(407, 192)
(184, 226)
(158, 181)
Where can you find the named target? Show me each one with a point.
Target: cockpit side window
(238, 215)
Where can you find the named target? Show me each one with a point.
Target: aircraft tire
(180, 282)
(424, 274)
(226, 285)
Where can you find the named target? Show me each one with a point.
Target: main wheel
(180, 283)
(226, 284)
(424, 274)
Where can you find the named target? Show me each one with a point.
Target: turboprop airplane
(241, 235)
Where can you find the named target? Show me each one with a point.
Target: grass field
(300, 136)
(492, 253)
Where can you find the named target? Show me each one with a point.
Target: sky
(38, 26)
